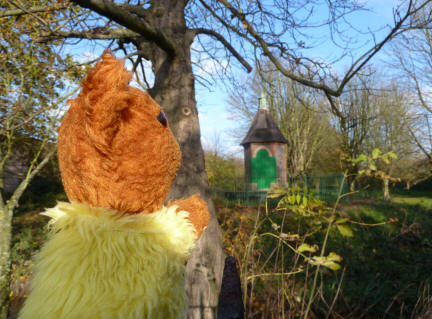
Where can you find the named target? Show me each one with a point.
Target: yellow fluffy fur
(101, 264)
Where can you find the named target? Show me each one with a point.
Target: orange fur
(199, 216)
(112, 150)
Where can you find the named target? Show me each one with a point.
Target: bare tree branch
(420, 93)
(140, 53)
(365, 58)
(334, 107)
(222, 21)
(123, 17)
(13, 201)
(356, 66)
(36, 9)
(230, 48)
(139, 11)
(264, 46)
(94, 34)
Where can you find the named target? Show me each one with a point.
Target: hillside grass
(29, 232)
(385, 269)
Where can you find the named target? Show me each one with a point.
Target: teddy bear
(115, 250)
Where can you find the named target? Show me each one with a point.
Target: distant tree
(389, 132)
(31, 94)
(412, 170)
(377, 114)
(223, 170)
(224, 173)
(372, 115)
(163, 32)
(412, 54)
(328, 157)
(296, 110)
(353, 113)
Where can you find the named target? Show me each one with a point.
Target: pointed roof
(263, 128)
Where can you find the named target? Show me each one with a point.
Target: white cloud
(210, 67)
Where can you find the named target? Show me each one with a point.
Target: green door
(263, 169)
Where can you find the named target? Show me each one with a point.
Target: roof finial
(263, 101)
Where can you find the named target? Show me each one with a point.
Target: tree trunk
(352, 174)
(386, 190)
(6, 215)
(408, 185)
(5, 261)
(174, 90)
(352, 184)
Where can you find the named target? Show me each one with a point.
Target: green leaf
(335, 257)
(274, 195)
(361, 158)
(291, 199)
(277, 193)
(298, 198)
(290, 237)
(331, 261)
(372, 167)
(306, 247)
(342, 220)
(305, 201)
(392, 155)
(375, 153)
(345, 230)
(331, 218)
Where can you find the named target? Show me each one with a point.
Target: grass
(29, 232)
(385, 269)
(422, 201)
(386, 265)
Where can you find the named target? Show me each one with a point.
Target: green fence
(324, 187)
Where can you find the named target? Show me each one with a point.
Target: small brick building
(264, 151)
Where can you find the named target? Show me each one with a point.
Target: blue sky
(212, 104)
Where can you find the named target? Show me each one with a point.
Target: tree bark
(352, 185)
(408, 185)
(386, 189)
(6, 215)
(5, 261)
(205, 266)
(174, 90)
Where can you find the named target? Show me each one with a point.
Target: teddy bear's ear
(105, 94)
(109, 73)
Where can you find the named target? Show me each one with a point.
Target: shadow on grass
(387, 266)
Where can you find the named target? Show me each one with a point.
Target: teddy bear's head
(115, 147)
